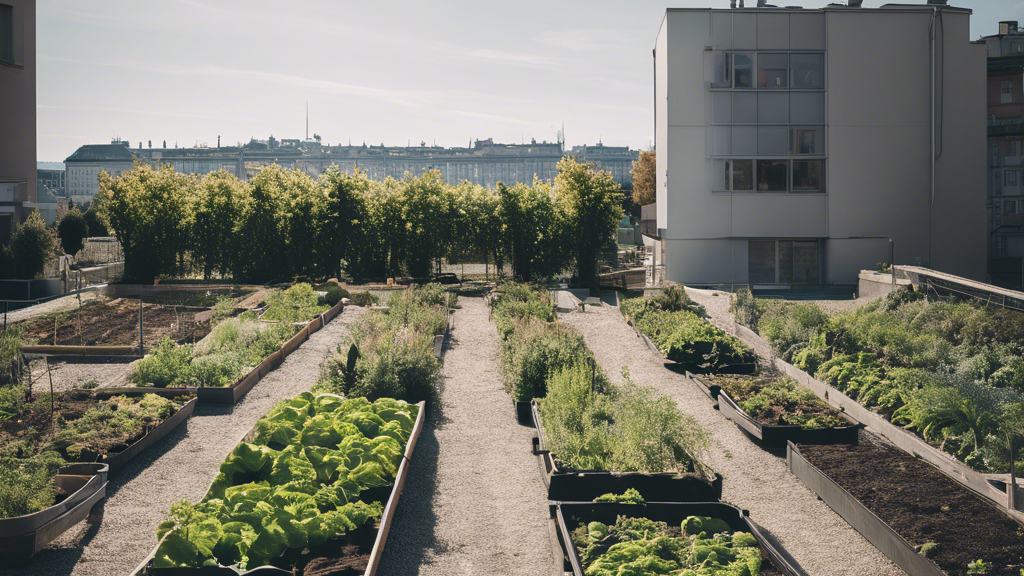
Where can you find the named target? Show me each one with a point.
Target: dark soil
(36, 420)
(923, 505)
(116, 323)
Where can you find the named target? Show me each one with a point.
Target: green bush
(72, 229)
(535, 353)
(10, 355)
(746, 308)
(28, 484)
(790, 327)
(32, 246)
(296, 304)
(364, 298)
(166, 365)
(215, 370)
(576, 419)
(334, 294)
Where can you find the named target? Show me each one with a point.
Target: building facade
(1005, 137)
(793, 145)
(485, 162)
(52, 180)
(82, 169)
(17, 112)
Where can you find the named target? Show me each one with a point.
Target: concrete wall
(18, 109)
(878, 142)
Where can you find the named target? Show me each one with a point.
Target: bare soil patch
(115, 322)
(923, 505)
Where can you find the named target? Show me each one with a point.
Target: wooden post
(48, 375)
(1011, 489)
(142, 349)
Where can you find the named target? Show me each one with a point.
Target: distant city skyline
(385, 73)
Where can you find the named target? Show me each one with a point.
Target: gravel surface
(55, 305)
(181, 466)
(820, 541)
(474, 502)
(71, 375)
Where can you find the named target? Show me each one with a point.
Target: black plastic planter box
(857, 515)
(778, 435)
(581, 485)
(524, 412)
(709, 389)
(364, 534)
(21, 537)
(569, 514)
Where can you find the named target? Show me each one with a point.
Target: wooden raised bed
(693, 485)
(897, 501)
(23, 536)
(568, 515)
(363, 536)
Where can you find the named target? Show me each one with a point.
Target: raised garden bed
(690, 485)
(234, 393)
(570, 515)
(821, 424)
(115, 322)
(901, 504)
(359, 551)
(81, 489)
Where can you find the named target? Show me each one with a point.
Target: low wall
(873, 285)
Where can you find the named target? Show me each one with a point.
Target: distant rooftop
(117, 151)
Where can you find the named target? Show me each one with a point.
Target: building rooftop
(97, 152)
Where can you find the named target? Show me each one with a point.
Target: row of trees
(285, 224)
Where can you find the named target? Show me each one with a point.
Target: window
(1006, 92)
(807, 176)
(996, 181)
(743, 70)
(807, 140)
(723, 72)
(1010, 177)
(6, 33)
(808, 70)
(772, 175)
(1010, 207)
(734, 175)
(772, 71)
(782, 261)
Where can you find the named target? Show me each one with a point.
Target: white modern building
(794, 144)
(17, 112)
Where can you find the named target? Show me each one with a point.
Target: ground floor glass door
(782, 261)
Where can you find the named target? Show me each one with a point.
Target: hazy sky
(377, 71)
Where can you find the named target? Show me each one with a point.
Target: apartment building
(17, 112)
(1005, 134)
(82, 169)
(793, 145)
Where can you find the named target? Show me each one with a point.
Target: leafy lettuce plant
(297, 485)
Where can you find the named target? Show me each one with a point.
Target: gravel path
(181, 466)
(820, 541)
(55, 305)
(474, 503)
(71, 375)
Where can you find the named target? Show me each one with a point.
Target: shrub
(28, 484)
(214, 370)
(746, 308)
(790, 327)
(535, 353)
(334, 294)
(576, 419)
(72, 229)
(298, 303)
(650, 434)
(10, 355)
(167, 365)
(364, 298)
(32, 245)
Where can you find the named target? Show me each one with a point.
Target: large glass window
(761, 261)
(808, 70)
(6, 33)
(807, 140)
(807, 176)
(733, 175)
(772, 70)
(743, 65)
(782, 261)
(772, 175)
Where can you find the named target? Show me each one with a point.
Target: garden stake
(47, 359)
(142, 351)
